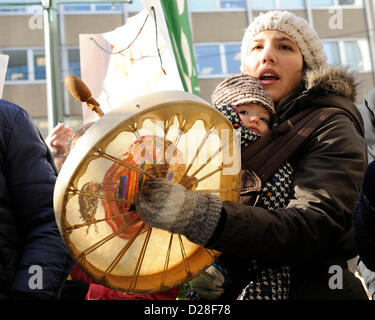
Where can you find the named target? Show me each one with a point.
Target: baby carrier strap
(269, 152)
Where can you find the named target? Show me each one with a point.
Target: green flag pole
(177, 20)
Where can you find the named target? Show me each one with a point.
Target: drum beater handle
(81, 92)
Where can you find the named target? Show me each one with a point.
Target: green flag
(177, 20)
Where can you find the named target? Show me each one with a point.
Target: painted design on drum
(89, 204)
(122, 183)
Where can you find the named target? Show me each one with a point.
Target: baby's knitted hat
(240, 89)
(297, 28)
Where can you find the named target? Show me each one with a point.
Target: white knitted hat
(297, 28)
(242, 89)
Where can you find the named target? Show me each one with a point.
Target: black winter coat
(315, 231)
(30, 242)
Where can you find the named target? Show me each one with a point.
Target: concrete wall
(353, 24)
(15, 32)
(218, 26)
(95, 23)
(31, 97)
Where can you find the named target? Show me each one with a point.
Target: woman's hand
(170, 206)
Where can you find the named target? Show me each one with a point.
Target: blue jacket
(33, 257)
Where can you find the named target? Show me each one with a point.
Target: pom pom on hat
(297, 28)
(242, 89)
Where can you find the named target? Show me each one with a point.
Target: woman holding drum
(314, 232)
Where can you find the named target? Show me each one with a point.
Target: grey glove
(170, 206)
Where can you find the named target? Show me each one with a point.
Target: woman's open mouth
(268, 77)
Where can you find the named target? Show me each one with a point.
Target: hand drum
(169, 134)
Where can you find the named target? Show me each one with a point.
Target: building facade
(346, 28)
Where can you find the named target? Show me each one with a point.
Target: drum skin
(169, 134)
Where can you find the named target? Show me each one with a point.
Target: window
(321, 3)
(74, 62)
(77, 7)
(25, 64)
(327, 3)
(101, 7)
(353, 53)
(18, 9)
(12, 9)
(357, 55)
(217, 59)
(263, 4)
(277, 4)
(67, 8)
(233, 58)
(332, 51)
(17, 65)
(348, 2)
(208, 59)
(39, 64)
(199, 5)
(233, 4)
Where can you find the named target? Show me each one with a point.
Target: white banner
(3, 70)
(127, 62)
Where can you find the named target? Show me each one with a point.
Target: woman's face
(276, 60)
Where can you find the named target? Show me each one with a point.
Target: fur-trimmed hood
(337, 80)
(325, 87)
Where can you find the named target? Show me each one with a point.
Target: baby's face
(255, 117)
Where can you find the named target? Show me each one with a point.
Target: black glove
(368, 186)
(170, 206)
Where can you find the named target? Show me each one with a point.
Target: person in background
(57, 141)
(364, 222)
(34, 262)
(368, 114)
